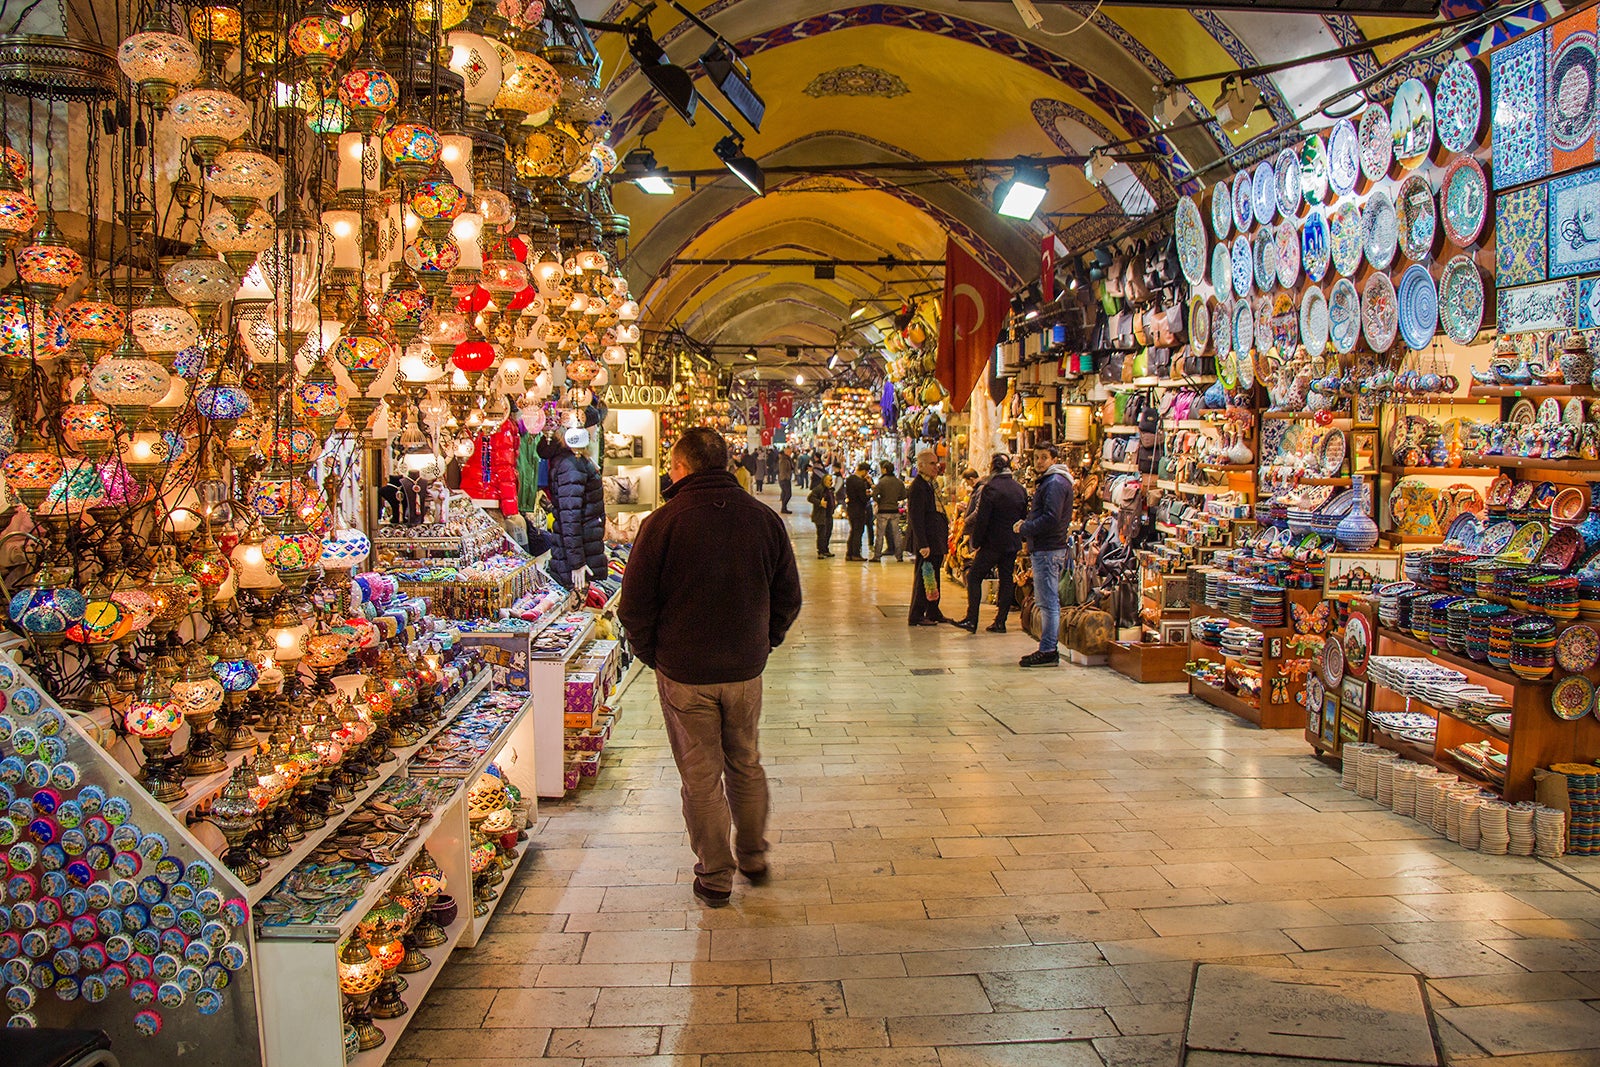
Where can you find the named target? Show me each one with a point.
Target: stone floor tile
(737, 1037)
(790, 1000)
(759, 1059)
(666, 1005)
(847, 1033)
(542, 1007)
(1071, 987)
(1000, 1028)
(1028, 1054)
(1160, 1051)
(1452, 959)
(596, 1041)
(1509, 988)
(870, 998)
(1545, 1026)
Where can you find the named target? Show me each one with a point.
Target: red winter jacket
(491, 473)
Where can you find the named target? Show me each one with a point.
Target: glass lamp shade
(320, 40)
(94, 320)
(467, 231)
(473, 356)
(310, 504)
(583, 371)
(495, 209)
(533, 88)
(591, 261)
(32, 470)
(547, 275)
(362, 352)
(245, 174)
(345, 551)
(153, 718)
(196, 695)
(236, 675)
(434, 255)
(28, 331)
(450, 12)
(158, 64)
(250, 566)
(103, 621)
(295, 445)
(370, 93)
(216, 23)
(200, 280)
(138, 605)
(585, 172)
(615, 355)
(164, 330)
(221, 403)
(445, 328)
(503, 277)
(18, 211)
(345, 229)
(77, 490)
(605, 158)
(478, 62)
(411, 149)
(318, 399)
(359, 973)
(328, 116)
(419, 364)
(437, 200)
(209, 567)
(403, 306)
(292, 550)
(17, 164)
(225, 232)
(299, 316)
(88, 427)
(49, 265)
(121, 487)
(129, 383)
(213, 115)
(455, 153)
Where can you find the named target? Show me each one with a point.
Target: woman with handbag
(930, 537)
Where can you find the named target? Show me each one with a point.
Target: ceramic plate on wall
(1380, 230)
(1461, 299)
(1411, 120)
(1221, 211)
(1344, 238)
(1288, 254)
(1380, 314)
(1222, 329)
(1244, 329)
(1414, 212)
(1263, 319)
(1199, 324)
(1189, 233)
(1264, 193)
(1243, 216)
(1458, 106)
(1377, 146)
(1464, 201)
(1315, 250)
(1266, 259)
(1314, 170)
(1344, 316)
(1419, 307)
(1314, 321)
(1243, 268)
(1344, 157)
(1287, 170)
(1222, 271)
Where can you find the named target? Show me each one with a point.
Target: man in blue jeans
(1046, 527)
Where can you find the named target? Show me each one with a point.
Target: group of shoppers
(862, 500)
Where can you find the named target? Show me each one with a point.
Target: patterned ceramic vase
(1356, 531)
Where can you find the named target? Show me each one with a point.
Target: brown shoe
(711, 898)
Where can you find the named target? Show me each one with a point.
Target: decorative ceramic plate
(1344, 316)
(1357, 644)
(1315, 691)
(1228, 370)
(1344, 157)
(1264, 193)
(1247, 372)
(1549, 411)
(1314, 170)
(1344, 238)
(1521, 493)
(1189, 232)
(1244, 329)
(1572, 412)
(1419, 307)
(1578, 648)
(1418, 220)
(1522, 413)
(1461, 299)
(1380, 229)
(1411, 120)
(1331, 455)
(1572, 697)
(1465, 532)
(1242, 215)
(1314, 321)
(1315, 249)
(1221, 211)
(1496, 538)
(1287, 169)
(1561, 551)
(1401, 720)
(1458, 106)
(1332, 663)
(1263, 321)
(1377, 147)
(1222, 328)
(1464, 201)
(1266, 259)
(1380, 315)
(1222, 271)
(1288, 254)
(1525, 544)
(1570, 101)
(1499, 491)
(1199, 324)
(1243, 268)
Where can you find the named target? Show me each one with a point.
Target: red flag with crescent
(975, 305)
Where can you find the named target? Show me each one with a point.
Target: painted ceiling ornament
(859, 80)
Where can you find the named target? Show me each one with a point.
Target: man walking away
(785, 479)
(1002, 503)
(1046, 530)
(930, 537)
(886, 498)
(761, 469)
(711, 551)
(822, 503)
(858, 509)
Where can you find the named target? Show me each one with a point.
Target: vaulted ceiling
(852, 83)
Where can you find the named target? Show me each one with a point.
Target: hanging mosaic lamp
(244, 179)
(411, 150)
(158, 63)
(48, 606)
(368, 92)
(162, 328)
(94, 322)
(320, 40)
(436, 202)
(210, 118)
(201, 282)
(49, 266)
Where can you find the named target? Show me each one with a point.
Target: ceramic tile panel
(1516, 109)
(1573, 221)
(1520, 229)
(1532, 308)
(1572, 102)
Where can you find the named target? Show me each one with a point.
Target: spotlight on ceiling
(1234, 105)
(672, 82)
(728, 73)
(799, 379)
(833, 361)
(1098, 169)
(1172, 107)
(731, 151)
(857, 310)
(1020, 195)
(751, 356)
(640, 167)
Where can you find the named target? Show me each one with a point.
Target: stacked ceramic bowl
(1533, 647)
(1589, 593)
(1549, 831)
(1557, 595)
(1388, 596)
(1519, 824)
(1478, 619)
(1500, 634)
(1243, 644)
(1269, 605)
(1208, 630)
(1458, 619)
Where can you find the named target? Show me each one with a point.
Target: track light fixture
(670, 81)
(1172, 107)
(1098, 169)
(728, 73)
(641, 168)
(731, 151)
(1020, 196)
(1233, 107)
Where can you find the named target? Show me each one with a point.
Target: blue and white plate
(1264, 193)
(1266, 259)
(1287, 169)
(1379, 230)
(1458, 106)
(1243, 216)
(1419, 307)
(1344, 316)
(1315, 247)
(1314, 321)
(1344, 157)
(1221, 211)
(1243, 268)
(1244, 328)
(1222, 271)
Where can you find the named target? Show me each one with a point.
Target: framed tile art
(1520, 232)
(1572, 101)
(1572, 217)
(1589, 303)
(1516, 109)
(1535, 308)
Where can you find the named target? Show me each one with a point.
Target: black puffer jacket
(579, 537)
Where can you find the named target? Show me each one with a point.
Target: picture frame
(1350, 575)
(1175, 633)
(1242, 531)
(1364, 451)
(1330, 719)
(1353, 696)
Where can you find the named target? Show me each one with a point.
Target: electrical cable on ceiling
(1068, 33)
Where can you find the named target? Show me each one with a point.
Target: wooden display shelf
(1203, 490)
(1269, 717)
(1338, 416)
(1178, 383)
(1411, 539)
(1121, 468)
(1455, 472)
(1532, 392)
(1145, 662)
(1195, 424)
(1121, 430)
(1466, 663)
(1230, 468)
(1532, 463)
(417, 985)
(1345, 480)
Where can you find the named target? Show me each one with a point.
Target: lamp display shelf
(1532, 392)
(280, 868)
(1534, 463)
(418, 984)
(1453, 472)
(479, 924)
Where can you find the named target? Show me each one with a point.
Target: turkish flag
(1049, 255)
(975, 306)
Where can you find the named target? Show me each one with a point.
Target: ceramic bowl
(444, 909)
(1569, 507)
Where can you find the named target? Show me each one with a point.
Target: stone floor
(976, 865)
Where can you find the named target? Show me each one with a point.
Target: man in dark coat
(858, 509)
(1002, 503)
(712, 558)
(577, 498)
(1047, 527)
(887, 496)
(930, 536)
(785, 479)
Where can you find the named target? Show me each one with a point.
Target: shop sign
(641, 389)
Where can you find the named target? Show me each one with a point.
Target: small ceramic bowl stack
(1557, 595)
(1243, 644)
(1269, 605)
(1468, 832)
(1478, 621)
(1519, 826)
(1501, 628)
(1533, 647)
(1458, 618)
(1404, 798)
(1439, 619)
(1208, 630)
(1549, 831)
(1492, 823)
(1388, 596)
(1589, 593)
(1352, 758)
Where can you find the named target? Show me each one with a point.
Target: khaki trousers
(713, 731)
